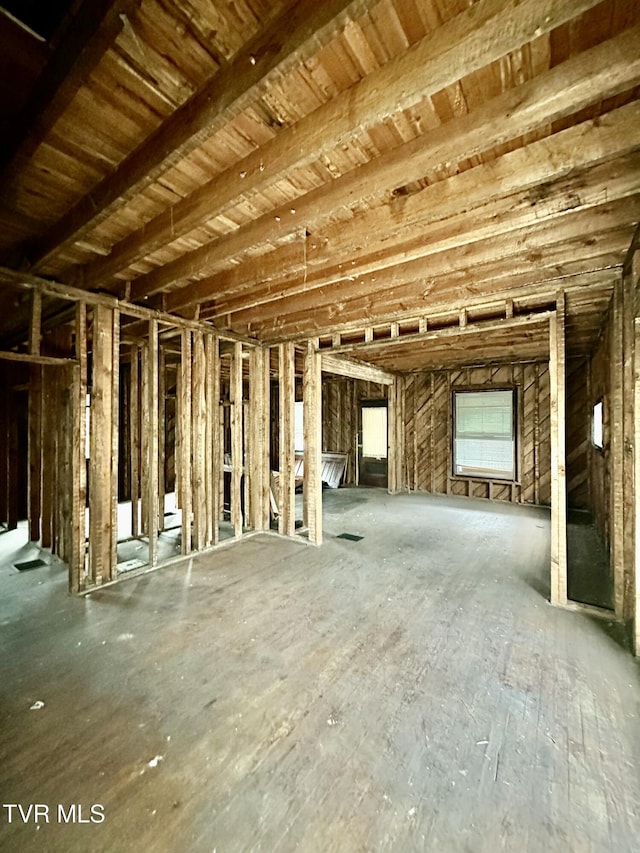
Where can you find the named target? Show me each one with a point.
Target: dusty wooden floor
(410, 691)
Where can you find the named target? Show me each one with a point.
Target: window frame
(598, 447)
(515, 396)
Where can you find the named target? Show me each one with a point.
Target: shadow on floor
(588, 575)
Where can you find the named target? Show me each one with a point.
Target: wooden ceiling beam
(91, 32)
(341, 366)
(509, 214)
(591, 76)
(490, 233)
(368, 349)
(457, 277)
(288, 40)
(476, 37)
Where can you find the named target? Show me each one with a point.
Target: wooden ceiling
(287, 170)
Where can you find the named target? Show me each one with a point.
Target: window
(597, 434)
(374, 432)
(484, 435)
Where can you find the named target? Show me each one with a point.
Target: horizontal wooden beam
(581, 80)
(57, 290)
(471, 328)
(341, 366)
(288, 40)
(476, 37)
(91, 32)
(29, 358)
(586, 234)
(377, 238)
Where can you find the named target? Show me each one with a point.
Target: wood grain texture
(340, 716)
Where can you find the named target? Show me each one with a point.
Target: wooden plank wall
(428, 439)
(578, 432)
(340, 399)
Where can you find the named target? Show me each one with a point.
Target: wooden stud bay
(286, 479)
(237, 443)
(151, 461)
(183, 456)
(312, 402)
(199, 441)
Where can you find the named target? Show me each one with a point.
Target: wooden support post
(198, 422)
(616, 426)
(115, 443)
(395, 429)
(636, 412)
(185, 439)
(312, 403)
(151, 462)
(144, 436)
(237, 461)
(286, 500)
(101, 558)
(213, 466)
(258, 463)
(35, 450)
(134, 438)
(77, 567)
(36, 319)
(162, 427)
(48, 450)
(35, 420)
(629, 283)
(558, 454)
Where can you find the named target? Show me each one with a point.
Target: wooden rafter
(477, 35)
(92, 31)
(595, 74)
(287, 41)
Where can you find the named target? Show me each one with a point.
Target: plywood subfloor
(409, 691)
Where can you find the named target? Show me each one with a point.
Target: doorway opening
(373, 443)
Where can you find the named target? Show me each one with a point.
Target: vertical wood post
(162, 427)
(115, 443)
(151, 462)
(35, 421)
(630, 279)
(185, 439)
(134, 438)
(636, 410)
(286, 502)
(213, 447)
(557, 373)
(237, 461)
(101, 558)
(635, 355)
(199, 441)
(616, 425)
(77, 567)
(395, 436)
(35, 450)
(312, 406)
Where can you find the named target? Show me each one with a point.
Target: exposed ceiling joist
(288, 40)
(94, 27)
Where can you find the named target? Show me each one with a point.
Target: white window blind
(374, 432)
(484, 443)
